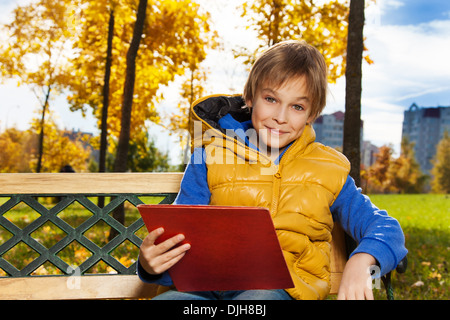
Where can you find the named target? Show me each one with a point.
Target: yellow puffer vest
(298, 192)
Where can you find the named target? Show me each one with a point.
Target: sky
(408, 40)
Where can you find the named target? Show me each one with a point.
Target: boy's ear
(248, 103)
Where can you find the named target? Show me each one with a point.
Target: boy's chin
(272, 149)
(275, 145)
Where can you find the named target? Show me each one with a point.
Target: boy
(259, 150)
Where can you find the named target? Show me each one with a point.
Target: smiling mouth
(275, 131)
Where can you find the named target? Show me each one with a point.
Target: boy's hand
(156, 259)
(356, 280)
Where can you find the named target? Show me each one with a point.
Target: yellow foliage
(38, 47)
(322, 24)
(191, 90)
(37, 54)
(401, 175)
(125, 261)
(82, 254)
(60, 149)
(175, 38)
(61, 44)
(16, 149)
(441, 166)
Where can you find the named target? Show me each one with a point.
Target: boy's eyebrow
(274, 92)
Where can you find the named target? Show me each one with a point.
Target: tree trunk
(120, 163)
(353, 76)
(104, 124)
(41, 135)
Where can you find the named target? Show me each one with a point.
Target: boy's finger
(166, 260)
(170, 263)
(172, 254)
(169, 243)
(153, 235)
(369, 294)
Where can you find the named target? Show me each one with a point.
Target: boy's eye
(297, 107)
(270, 99)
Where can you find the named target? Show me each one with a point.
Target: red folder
(232, 248)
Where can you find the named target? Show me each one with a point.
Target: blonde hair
(288, 60)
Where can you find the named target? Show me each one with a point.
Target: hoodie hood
(211, 109)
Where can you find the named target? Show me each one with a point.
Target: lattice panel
(73, 235)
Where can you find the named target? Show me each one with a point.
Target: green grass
(425, 219)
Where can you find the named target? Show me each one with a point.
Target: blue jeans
(225, 295)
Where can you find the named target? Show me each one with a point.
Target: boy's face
(279, 115)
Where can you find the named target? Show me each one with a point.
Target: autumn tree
(36, 53)
(441, 168)
(175, 38)
(60, 147)
(323, 25)
(353, 83)
(105, 94)
(395, 175)
(192, 88)
(405, 170)
(379, 174)
(16, 148)
(105, 98)
(120, 164)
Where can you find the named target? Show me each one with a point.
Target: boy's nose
(280, 115)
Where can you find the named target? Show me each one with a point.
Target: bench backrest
(80, 187)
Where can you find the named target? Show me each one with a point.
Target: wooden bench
(79, 187)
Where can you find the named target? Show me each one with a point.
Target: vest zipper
(275, 192)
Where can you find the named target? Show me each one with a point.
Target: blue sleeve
(163, 279)
(193, 190)
(375, 232)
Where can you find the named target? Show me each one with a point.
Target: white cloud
(391, 4)
(412, 50)
(410, 61)
(424, 92)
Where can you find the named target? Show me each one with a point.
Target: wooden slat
(81, 287)
(335, 282)
(338, 249)
(338, 257)
(95, 183)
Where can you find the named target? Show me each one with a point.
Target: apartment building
(425, 127)
(330, 132)
(330, 129)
